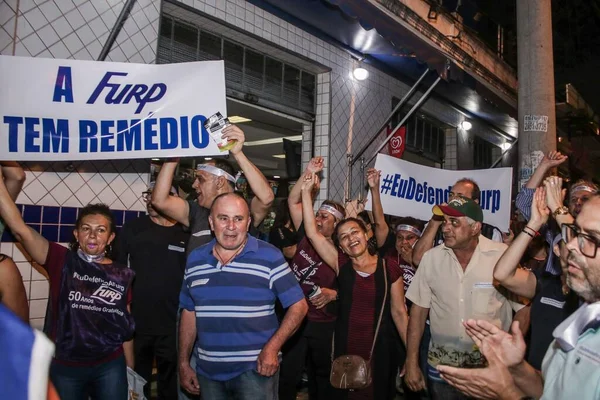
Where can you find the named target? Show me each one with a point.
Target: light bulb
(360, 74)
(466, 125)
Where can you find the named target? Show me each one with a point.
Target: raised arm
(425, 242)
(14, 177)
(35, 244)
(381, 227)
(324, 248)
(173, 207)
(525, 196)
(263, 194)
(506, 271)
(295, 197)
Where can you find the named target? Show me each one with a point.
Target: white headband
(211, 169)
(586, 188)
(408, 228)
(331, 210)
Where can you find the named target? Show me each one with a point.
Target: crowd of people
(450, 308)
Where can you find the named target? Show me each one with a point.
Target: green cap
(460, 206)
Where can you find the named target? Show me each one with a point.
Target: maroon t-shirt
(363, 313)
(87, 315)
(321, 275)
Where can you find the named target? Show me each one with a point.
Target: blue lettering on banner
(409, 189)
(55, 136)
(123, 94)
(64, 86)
(46, 135)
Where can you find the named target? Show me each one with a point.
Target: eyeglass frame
(580, 237)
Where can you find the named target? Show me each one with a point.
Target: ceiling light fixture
(505, 146)
(236, 119)
(279, 155)
(276, 177)
(360, 73)
(466, 125)
(273, 141)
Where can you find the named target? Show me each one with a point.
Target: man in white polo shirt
(571, 367)
(454, 283)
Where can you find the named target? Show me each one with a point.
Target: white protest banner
(85, 110)
(411, 190)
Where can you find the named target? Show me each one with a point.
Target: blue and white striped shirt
(235, 305)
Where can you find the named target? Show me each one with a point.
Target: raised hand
(310, 181)
(234, 132)
(555, 194)
(373, 178)
(539, 209)
(553, 159)
(315, 165)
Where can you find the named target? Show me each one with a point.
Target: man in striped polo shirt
(228, 300)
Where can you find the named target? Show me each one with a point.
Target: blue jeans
(248, 386)
(106, 381)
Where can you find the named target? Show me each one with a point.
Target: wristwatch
(562, 210)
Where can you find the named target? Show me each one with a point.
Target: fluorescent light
(360, 74)
(279, 155)
(156, 159)
(272, 141)
(276, 177)
(208, 158)
(236, 119)
(466, 125)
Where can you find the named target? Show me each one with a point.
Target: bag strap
(305, 275)
(378, 322)
(382, 308)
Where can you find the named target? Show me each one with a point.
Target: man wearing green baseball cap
(454, 283)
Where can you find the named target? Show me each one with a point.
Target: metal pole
(349, 177)
(389, 118)
(362, 179)
(406, 117)
(116, 29)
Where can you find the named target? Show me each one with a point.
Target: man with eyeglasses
(571, 367)
(154, 246)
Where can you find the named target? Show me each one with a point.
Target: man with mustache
(570, 369)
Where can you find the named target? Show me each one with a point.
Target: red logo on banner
(396, 144)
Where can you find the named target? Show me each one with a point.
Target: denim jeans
(106, 381)
(248, 386)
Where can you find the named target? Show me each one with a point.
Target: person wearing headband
(368, 287)
(311, 345)
(88, 316)
(580, 192)
(213, 177)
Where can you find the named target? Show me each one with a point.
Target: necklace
(90, 258)
(220, 257)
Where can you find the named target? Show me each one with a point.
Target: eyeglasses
(588, 245)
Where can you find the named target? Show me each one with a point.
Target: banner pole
(389, 118)
(406, 117)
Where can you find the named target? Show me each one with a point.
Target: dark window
(482, 153)
(246, 70)
(424, 135)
